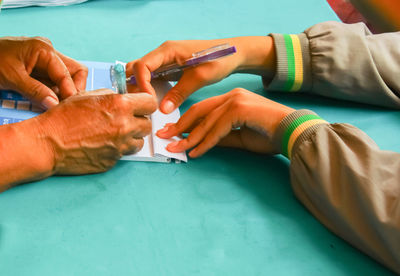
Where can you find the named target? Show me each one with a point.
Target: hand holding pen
(253, 54)
(191, 70)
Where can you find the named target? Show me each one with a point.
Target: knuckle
(213, 139)
(153, 106)
(45, 40)
(120, 102)
(201, 76)
(194, 108)
(132, 146)
(235, 105)
(238, 92)
(137, 65)
(45, 52)
(190, 140)
(176, 95)
(41, 42)
(237, 98)
(84, 69)
(146, 128)
(139, 127)
(203, 124)
(123, 126)
(139, 144)
(168, 44)
(35, 91)
(105, 91)
(107, 164)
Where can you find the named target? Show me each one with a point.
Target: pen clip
(211, 50)
(211, 54)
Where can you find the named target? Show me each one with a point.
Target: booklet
(14, 108)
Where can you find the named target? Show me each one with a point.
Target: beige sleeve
(337, 60)
(347, 183)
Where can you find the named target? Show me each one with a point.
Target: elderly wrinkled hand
(32, 67)
(86, 133)
(89, 133)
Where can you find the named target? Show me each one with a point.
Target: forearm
(337, 60)
(258, 55)
(348, 183)
(23, 157)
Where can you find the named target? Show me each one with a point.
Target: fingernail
(163, 130)
(168, 106)
(172, 145)
(192, 153)
(49, 102)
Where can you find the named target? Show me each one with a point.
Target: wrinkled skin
(32, 67)
(86, 133)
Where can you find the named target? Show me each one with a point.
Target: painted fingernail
(49, 102)
(168, 106)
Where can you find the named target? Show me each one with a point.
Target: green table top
(227, 213)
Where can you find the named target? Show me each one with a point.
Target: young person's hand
(32, 67)
(86, 133)
(254, 55)
(240, 119)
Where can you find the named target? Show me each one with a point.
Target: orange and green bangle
(296, 127)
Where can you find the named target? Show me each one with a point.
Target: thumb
(37, 92)
(187, 85)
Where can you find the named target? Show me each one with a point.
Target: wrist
(35, 147)
(24, 156)
(42, 140)
(296, 128)
(257, 55)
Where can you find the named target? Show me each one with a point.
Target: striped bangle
(296, 128)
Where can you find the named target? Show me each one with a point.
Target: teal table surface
(227, 213)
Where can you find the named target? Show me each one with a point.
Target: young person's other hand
(240, 119)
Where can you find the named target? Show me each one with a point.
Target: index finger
(142, 68)
(192, 116)
(141, 103)
(58, 72)
(77, 71)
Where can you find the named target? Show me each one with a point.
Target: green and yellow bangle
(294, 126)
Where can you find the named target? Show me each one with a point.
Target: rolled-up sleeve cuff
(296, 128)
(293, 73)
